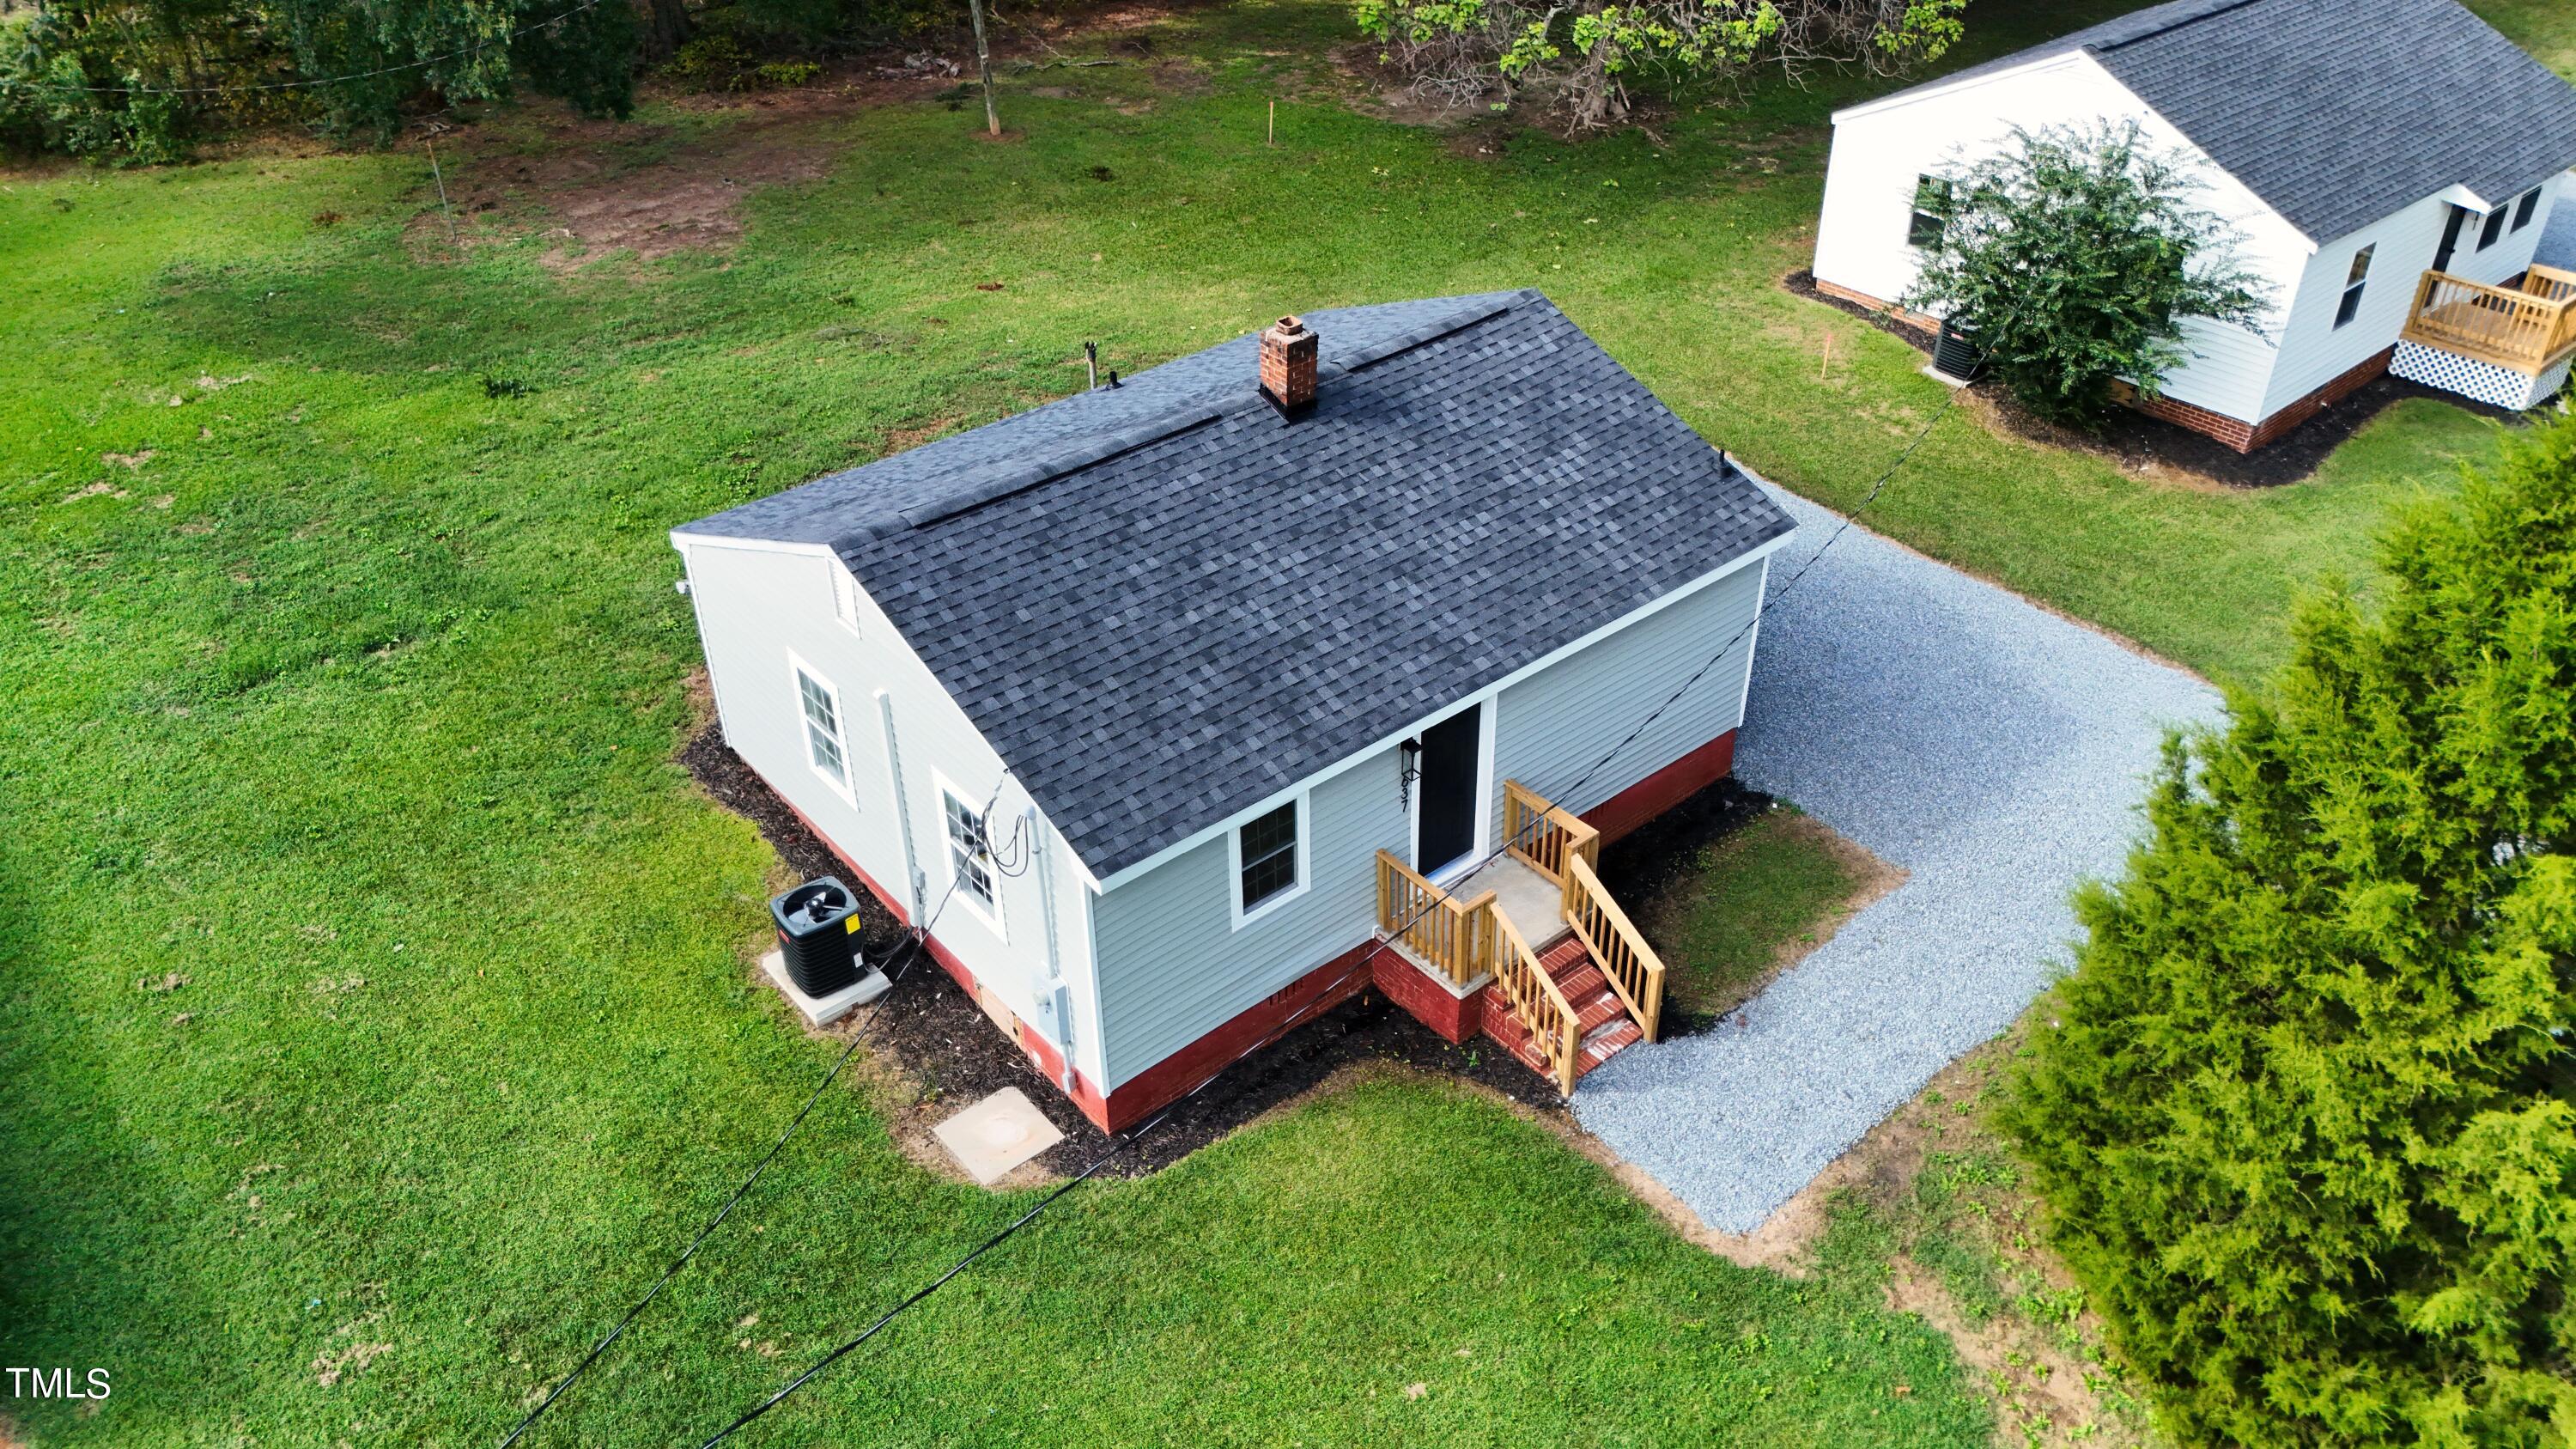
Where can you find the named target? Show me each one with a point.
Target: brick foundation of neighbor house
(2235, 432)
(1453, 1015)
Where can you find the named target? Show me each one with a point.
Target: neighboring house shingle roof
(1163, 602)
(2338, 112)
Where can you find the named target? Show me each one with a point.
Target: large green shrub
(2303, 1115)
(2073, 255)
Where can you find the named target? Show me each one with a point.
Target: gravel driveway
(1993, 750)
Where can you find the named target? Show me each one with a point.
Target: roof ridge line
(1000, 480)
(1429, 332)
(2212, 13)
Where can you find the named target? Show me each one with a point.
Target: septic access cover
(997, 1134)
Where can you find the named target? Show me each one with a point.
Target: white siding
(2314, 351)
(1879, 152)
(755, 606)
(1172, 965)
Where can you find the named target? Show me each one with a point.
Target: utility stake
(984, 69)
(434, 175)
(1273, 138)
(1828, 363)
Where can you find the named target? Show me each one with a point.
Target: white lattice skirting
(2484, 381)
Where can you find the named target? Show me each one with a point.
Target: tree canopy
(1587, 57)
(2303, 1113)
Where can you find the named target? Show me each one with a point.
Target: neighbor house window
(1931, 212)
(970, 853)
(824, 744)
(2494, 228)
(2353, 282)
(2522, 211)
(845, 596)
(1266, 856)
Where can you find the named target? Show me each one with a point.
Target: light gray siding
(1174, 968)
(1555, 724)
(1172, 964)
(758, 606)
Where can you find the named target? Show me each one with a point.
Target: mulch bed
(949, 1052)
(2136, 442)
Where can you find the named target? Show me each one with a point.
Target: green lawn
(1769, 891)
(352, 706)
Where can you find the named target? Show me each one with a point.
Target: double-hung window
(2353, 282)
(1266, 859)
(970, 852)
(826, 747)
(2493, 229)
(2523, 209)
(1931, 215)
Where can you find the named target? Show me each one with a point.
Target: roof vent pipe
(1288, 349)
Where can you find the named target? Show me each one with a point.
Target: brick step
(1568, 952)
(1581, 982)
(1607, 1042)
(1593, 1011)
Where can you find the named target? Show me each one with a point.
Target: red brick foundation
(1923, 321)
(1664, 789)
(1363, 967)
(1312, 994)
(1453, 1017)
(2235, 432)
(2245, 437)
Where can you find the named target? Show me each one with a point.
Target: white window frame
(1304, 848)
(798, 671)
(845, 595)
(991, 915)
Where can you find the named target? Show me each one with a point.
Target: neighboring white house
(2359, 146)
(1181, 691)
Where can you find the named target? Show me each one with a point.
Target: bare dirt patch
(594, 187)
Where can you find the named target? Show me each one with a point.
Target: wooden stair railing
(1635, 971)
(1544, 837)
(1539, 1004)
(1456, 937)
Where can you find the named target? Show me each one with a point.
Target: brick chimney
(1288, 366)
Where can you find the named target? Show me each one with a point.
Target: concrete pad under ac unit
(824, 1010)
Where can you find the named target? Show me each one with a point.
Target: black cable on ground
(917, 946)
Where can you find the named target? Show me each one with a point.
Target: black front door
(1449, 768)
(2450, 238)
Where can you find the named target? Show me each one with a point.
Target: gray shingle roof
(1164, 602)
(2339, 112)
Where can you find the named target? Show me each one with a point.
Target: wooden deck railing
(1544, 836)
(2524, 329)
(1635, 971)
(1539, 1003)
(2553, 284)
(1455, 936)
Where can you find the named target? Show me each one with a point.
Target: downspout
(902, 811)
(1056, 998)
